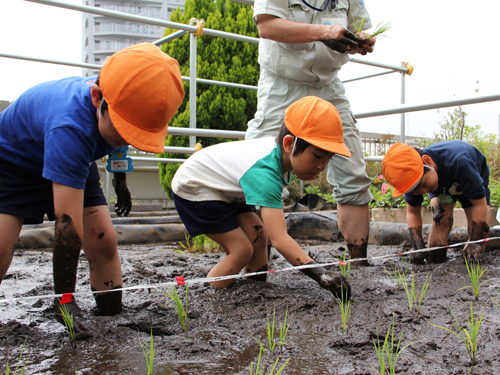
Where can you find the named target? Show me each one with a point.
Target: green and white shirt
(248, 172)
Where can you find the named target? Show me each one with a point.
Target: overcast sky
(450, 43)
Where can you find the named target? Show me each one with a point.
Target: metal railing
(192, 131)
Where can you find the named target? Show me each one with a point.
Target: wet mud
(222, 323)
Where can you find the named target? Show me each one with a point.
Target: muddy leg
(257, 234)
(101, 249)
(10, 227)
(354, 223)
(269, 244)
(239, 251)
(442, 222)
(108, 303)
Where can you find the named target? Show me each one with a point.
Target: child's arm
(479, 212)
(275, 223)
(123, 203)
(414, 220)
(68, 210)
(478, 229)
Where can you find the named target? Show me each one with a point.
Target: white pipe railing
(192, 132)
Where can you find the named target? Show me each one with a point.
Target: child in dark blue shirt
(448, 171)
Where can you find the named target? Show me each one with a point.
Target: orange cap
(143, 88)
(402, 167)
(318, 122)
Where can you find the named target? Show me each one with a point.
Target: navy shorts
(209, 217)
(465, 202)
(30, 196)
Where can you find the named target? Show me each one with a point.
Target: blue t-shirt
(461, 169)
(51, 131)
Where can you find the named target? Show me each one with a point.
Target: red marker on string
(66, 298)
(180, 280)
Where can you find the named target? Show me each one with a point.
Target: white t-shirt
(241, 171)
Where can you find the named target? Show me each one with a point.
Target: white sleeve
(278, 8)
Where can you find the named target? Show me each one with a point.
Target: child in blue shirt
(448, 171)
(49, 139)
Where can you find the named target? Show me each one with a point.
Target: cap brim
(335, 147)
(136, 137)
(396, 193)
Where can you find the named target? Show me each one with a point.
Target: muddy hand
(335, 283)
(473, 252)
(123, 203)
(346, 44)
(83, 330)
(438, 213)
(418, 244)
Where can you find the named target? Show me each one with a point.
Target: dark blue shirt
(461, 169)
(51, 131)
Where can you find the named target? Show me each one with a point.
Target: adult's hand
(365, 45)
(345, 41)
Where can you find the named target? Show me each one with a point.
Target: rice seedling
(345, 267)
(380, 29)
(69, 324)
(149, 356)
(469, 339)
(386, 350)
(398, 271)
(198, 244)
(284, 327)
(345, 310)
(7, 367)
(181, 309)
(185, 247)
(262, 371)
(475, 272)
(270, 332)
(498, 303)
(414, 297)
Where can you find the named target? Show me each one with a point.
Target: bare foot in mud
(83, 330)
(419, 258)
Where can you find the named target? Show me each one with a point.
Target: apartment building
(103, 36)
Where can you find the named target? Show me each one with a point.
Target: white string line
(240, 276)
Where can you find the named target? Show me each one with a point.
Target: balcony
(140, 11)
(110, 46)
(139, 30)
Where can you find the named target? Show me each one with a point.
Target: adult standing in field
(296, 63)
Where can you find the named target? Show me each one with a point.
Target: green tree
(218, 59)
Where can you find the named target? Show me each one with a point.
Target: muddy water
(222, 322)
